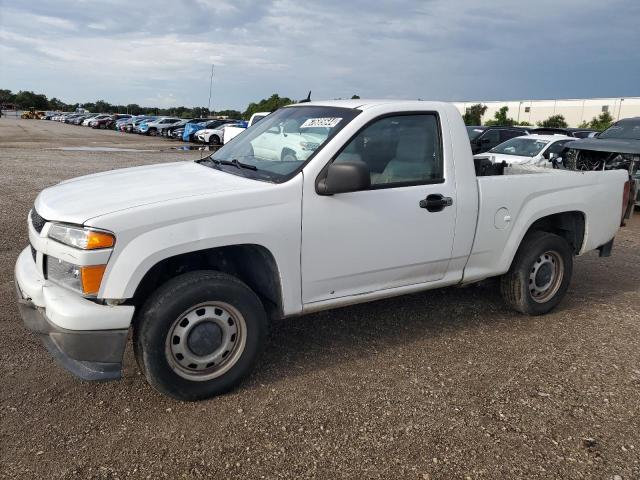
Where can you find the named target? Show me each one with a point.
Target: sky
(160, 53)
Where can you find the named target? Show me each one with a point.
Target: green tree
(473, 114)
(229, 113)
(103, 107)
(584, 124)
(500, 118)
(26, 99)
(55, 104)
(199, 112)
(554, 121)
(524, 123)
(355, 97)
(270, 104)
(6, 96)
(602, 122)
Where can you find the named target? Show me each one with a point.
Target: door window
(557, 147)
(509, 134)
(399, 150)
(489, 139)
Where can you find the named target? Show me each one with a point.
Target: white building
(574, 111)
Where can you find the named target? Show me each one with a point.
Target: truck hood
(613, 145)
(80, 199)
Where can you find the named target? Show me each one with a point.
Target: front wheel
(214, 140)
(199, 335)
(539, 275)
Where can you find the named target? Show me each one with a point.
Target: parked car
(154, 127)
(201, 253)
(120, 122)
(617, 148)
(95, 116)
(569, 132)
(484, 138)
(78, 120)
(71, 118)
(170, 132)
(177, 133)
(233, 130)
(102, 121)
(127, 126)
(113, 120)
(140, 123)
(218, 135)
(539, 150)
(190, 129)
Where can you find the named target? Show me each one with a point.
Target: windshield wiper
(235, 163)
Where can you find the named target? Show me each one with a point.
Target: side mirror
(344, 177)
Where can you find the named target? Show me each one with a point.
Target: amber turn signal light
(91, 278)
(99, 240)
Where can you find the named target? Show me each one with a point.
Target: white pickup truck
(362, 200)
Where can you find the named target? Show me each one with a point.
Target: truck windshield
(279, 145)
(625, 129)
(521, 146)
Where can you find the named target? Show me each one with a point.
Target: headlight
(82, 238)
(85, 280)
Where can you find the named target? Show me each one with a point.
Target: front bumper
(94, 354)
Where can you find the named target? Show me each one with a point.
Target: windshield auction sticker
(325, 122)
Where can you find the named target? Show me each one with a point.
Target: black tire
(522, 287)
(214, 140)
(167, 305)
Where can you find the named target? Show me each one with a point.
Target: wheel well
(253, 264)
(285, 151)
(568, 225)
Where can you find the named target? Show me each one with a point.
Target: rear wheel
(199, 335)
(539, 275)
(214, 140)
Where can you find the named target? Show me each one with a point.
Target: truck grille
(37, 221)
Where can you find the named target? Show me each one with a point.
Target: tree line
(473, 116)
(24, 100)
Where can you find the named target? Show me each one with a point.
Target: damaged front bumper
(88, 354)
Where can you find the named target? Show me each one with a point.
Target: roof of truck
(363, 104)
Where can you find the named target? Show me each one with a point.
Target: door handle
(436, 202)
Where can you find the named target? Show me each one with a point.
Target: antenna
(208, 107)
(306, 100)
(210, 89)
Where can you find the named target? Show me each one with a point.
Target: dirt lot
(443, 384)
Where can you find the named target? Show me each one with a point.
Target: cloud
(134, 52)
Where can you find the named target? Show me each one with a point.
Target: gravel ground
(442, 384)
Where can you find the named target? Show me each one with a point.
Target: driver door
(381, 238)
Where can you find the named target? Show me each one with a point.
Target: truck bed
(513, 199)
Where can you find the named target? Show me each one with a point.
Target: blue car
(142, 123)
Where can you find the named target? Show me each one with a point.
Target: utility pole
(210, 89)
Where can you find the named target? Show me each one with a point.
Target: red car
(108, 122)
(101, 123)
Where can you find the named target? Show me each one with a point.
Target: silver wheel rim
(546, 276)
(206, 341)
